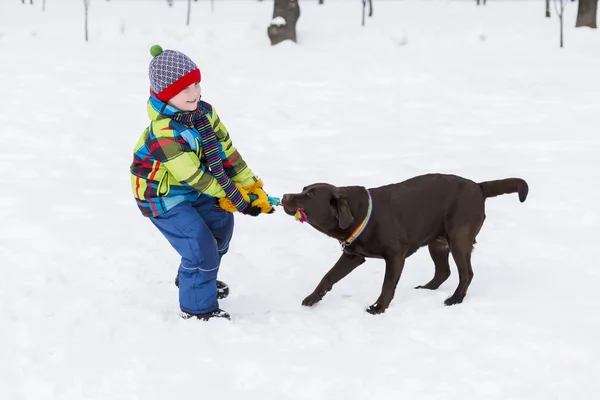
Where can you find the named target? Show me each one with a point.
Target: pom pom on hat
(155, 50)
(170, 72)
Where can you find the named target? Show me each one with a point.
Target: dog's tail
(505, 186)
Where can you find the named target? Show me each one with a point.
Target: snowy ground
(88, 309)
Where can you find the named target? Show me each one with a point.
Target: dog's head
(326, 207)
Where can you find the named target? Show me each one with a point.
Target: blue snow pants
(201, 236)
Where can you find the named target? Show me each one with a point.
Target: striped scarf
(200, 121)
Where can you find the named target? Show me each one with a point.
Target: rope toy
(276, 201)
(300, 215)
(273, 201)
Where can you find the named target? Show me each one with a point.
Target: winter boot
(222, 288)
(218, 313)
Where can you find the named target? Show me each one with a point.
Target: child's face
(187, 99)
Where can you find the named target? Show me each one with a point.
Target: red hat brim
(173, 90)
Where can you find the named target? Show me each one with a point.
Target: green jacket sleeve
(234, 165)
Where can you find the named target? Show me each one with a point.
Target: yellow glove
(227, 205)
(262, 201)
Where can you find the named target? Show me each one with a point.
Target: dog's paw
(375, 309)
(423, 287)
(311, 299)
(431, 285)
(452, 300)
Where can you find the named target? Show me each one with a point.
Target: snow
(279, 21)
(88, 306)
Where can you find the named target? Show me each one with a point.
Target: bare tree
(586, 14)
(86, 4)
(43, 5)
(283, 25)
(560, 5)
(189, 11)
(364, 3)
(484, 2)
(30, 2)
(321, 1)
(547, 8)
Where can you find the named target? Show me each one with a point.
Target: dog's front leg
(393, 269)
(346, 264)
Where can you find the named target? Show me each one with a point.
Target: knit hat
(170, 72)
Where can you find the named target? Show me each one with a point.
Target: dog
(442, 211)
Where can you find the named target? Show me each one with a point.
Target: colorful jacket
(168, 164)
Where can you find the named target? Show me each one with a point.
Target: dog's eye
(333, 201)
(310, 194)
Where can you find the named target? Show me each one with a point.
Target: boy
(188, 179)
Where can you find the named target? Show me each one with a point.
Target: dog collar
(360, 228)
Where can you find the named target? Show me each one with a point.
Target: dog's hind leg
(439, 252)
(461, 246)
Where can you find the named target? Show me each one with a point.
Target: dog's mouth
(287, 204)
(290, 207)
(300, 215)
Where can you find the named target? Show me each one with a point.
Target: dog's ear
(344, 216)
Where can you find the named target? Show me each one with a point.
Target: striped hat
(170, 72)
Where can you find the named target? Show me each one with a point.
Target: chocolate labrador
(443, 212)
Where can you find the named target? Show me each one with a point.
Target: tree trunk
(548, 9)
(86, 4)
(321, 1)
(561, 30)
(586, 13)
(283, 25)
(189, 11)
(364, 2)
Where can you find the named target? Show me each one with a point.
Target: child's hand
(255, 196)
(253, 211)
(228, 206)
(262, 199)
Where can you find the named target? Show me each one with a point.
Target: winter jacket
(168, 164)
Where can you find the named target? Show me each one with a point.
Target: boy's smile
(187, 99)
